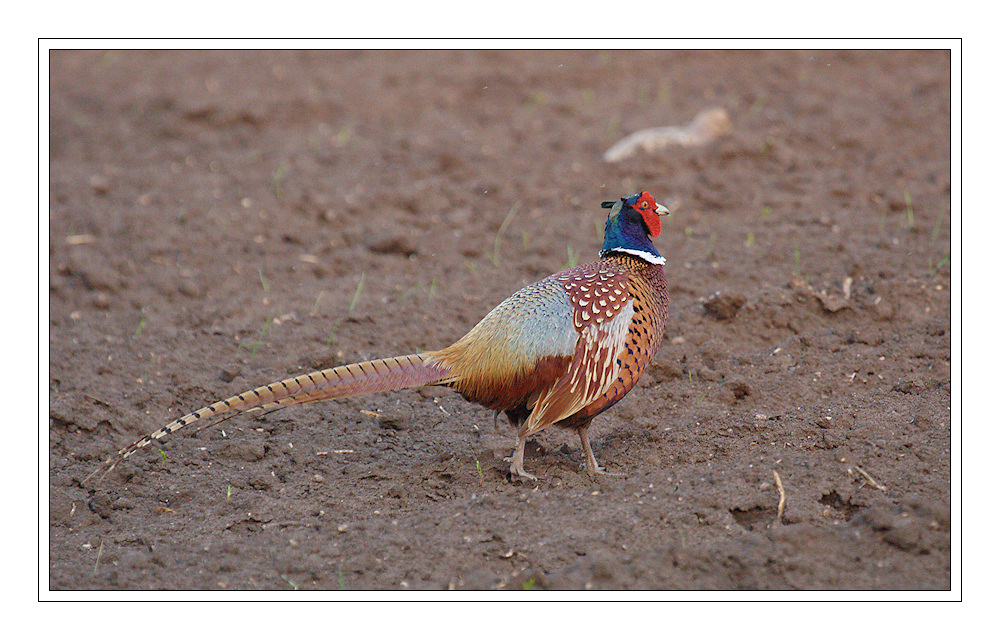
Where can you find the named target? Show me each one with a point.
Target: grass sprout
(937, 225)
(494, 256)
(357, 294)
(573, 257)
(278, 178)
(908, 209)
(255, 345)
(935, 268)
(316, 304)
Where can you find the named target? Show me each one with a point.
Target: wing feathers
(594, 368)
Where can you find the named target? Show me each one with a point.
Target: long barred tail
(401, 372)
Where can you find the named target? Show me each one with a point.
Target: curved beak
(661, 210)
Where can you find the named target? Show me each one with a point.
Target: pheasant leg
(592, 466)
(517, 460)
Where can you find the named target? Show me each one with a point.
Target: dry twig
(880, 487)
(100, 551)
(781, 494)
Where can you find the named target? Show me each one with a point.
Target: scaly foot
(599, 471)
(516, 461)
(591, 464)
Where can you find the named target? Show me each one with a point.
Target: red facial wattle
(646, 206)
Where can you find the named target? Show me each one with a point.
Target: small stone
(101, 505)
(99, 184)
(909, 384)
(399, 245)
(396, 418)
(724, 305)
(739, 388)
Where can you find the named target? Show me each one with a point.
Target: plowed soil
(222, 220)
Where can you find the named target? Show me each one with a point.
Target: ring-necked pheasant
(559, 351)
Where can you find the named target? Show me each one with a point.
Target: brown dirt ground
(221, 220)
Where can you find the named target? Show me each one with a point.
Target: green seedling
(479, 471)
(663, 93)
(229, 493)
(937, 226)
(432, 293)
(263, 281)
(943, 261)
(750, 240)
(162, 455)
(138, 330)
(316, 304)
(148, 370)
(80, 120)
(294, 586)
(409, 292)
(909, 210)
(765, 213)
(528, 584)
(538, 98)
(357, 294)
(711, 246)
(573, 257)
(100, 552)
(255, 345)
(350, 309)
(798, 260)
(278, 178)
(495, 255)
(345, 135)
(333, 330)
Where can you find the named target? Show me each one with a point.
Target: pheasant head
(632, 224)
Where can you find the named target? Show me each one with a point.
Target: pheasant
(557, 352)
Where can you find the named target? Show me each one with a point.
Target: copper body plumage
(557, 352)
